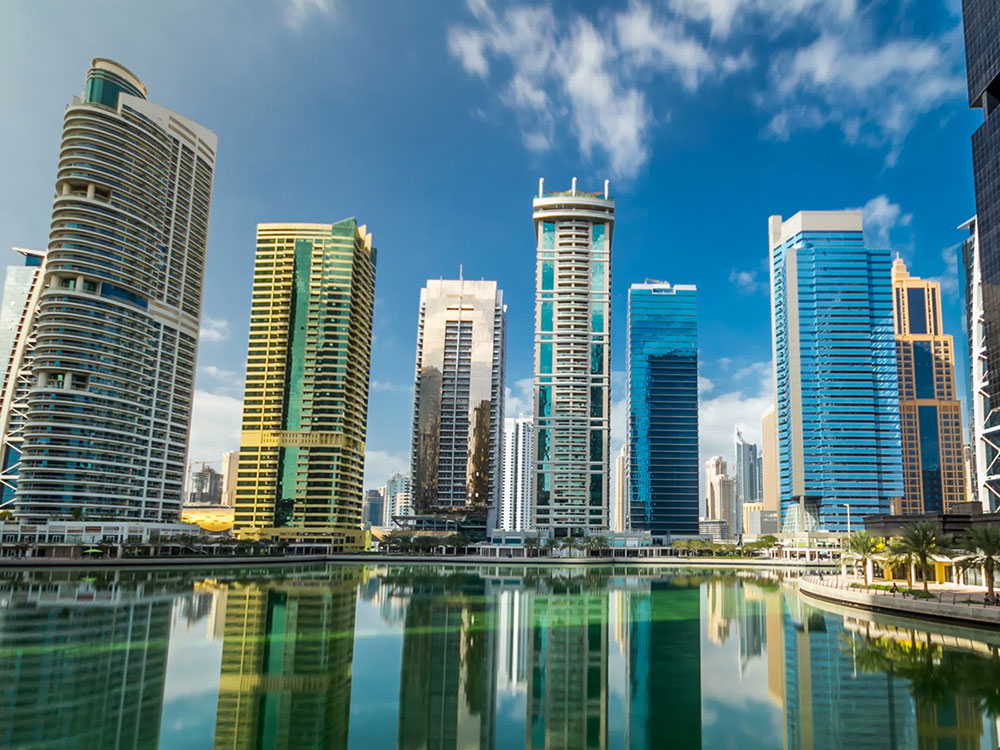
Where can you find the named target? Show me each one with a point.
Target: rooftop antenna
(574, 186)
(607, 184)
(541, 186)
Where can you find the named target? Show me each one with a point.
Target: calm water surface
(437, 656)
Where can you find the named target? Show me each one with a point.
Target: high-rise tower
(662, 362)
(458, 398)
(305, 410)
(981, 19)
(835, 366)
(930, 414)
(573, 232)
(109, 411)
(746, 469)
(515, 495)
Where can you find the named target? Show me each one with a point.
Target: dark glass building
(982, 55)
(663, 408)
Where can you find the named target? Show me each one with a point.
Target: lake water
(439, 656)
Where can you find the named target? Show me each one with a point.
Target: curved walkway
(952, 606)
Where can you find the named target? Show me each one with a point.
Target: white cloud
(218, 373)
(298, 12)
(881, 216)
(380, 465)
(214, 330)
(704, 385)
(949, 279)
(520, 399)
(384, 385)
(874, 92)
(747, 282)
(722, 15)
(215, 425)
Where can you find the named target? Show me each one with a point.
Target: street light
(848, 517)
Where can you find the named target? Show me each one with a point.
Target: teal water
(439, 656)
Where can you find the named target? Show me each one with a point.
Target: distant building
(206, 487)
(930, 413)
(572, 383)
(770, 483)
(373, 508)
(715, 529)
(21, 291)
(305, 412)
(746, 469)
(397, 499)
(662, 373)
(230, 470)
(458, 398)
(516, 474)
(720, 502)
(619, 512)
(835, 365)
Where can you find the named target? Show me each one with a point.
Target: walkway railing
(968, 598)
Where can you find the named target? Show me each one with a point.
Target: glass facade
(662, 363)
(838, 410)
(306, 402)
(572, 361)
(930, 414)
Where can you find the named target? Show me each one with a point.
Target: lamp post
(848, 517)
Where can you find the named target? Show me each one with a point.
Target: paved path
(953, 604)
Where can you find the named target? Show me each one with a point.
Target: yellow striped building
(305, 407)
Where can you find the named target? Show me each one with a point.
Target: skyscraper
(835, 365)
(662, 371)
(398, 497)
(619, 512)
(930, 414)
(373, 510)
(981, 19)
(306, 405)
(458, 398)
(230, 468)
(770, 482)
(573, 232)
(21, 291)
(720, 503)
(206, 486)
(746, 469)
(515, 495)
(108, 414)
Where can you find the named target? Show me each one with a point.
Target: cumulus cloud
(881, 216)
(299, 12)
(214, 330)
(748, 283)
(600, 74)
(519, 399)
(215, 425)
(386, 386)
(380, 465)
(949, 278)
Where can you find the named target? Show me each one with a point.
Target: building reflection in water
(287, 651)
(82, 663)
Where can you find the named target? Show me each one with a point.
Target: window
(917, 310)
(548, 274)
(598, 242)
(545, 358)
(548, 235)
(547, 316)
(923, 368)
(596, 359)
(597, 318)
(597, 277)
(545, 401)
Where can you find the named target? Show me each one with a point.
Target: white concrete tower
(515, 493)
(109, 411)
(573, 232)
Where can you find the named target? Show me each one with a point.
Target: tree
(919, 542)
(570, 544)
(983, 545)
(862, 546)
(6, 515)
(531, 545)
(681, 545)
(596, 544)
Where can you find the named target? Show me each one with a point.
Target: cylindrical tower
(117, 328)
(573, 230)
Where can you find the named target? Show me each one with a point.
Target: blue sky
(432, 122)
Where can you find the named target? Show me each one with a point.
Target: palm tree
(862, 546)
(570, 543)
(921, 541)
(983, 544)
(596, 544)
(531, 545)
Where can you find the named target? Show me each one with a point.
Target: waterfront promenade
(948, 602)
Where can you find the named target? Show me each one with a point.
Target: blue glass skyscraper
(663, 408)
(837, 387)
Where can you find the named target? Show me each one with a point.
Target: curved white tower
(108, 415)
